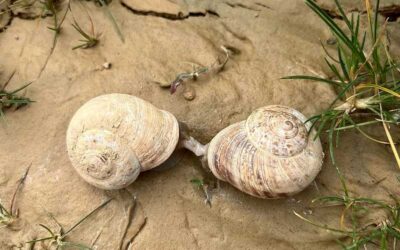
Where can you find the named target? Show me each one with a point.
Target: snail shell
(270, 155)
(114, 137)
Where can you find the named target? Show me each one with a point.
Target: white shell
(270, 155)
(113, 137)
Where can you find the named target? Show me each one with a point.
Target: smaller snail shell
(113, 137)
(270, 155)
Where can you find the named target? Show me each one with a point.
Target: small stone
(107, 65)
(189, 95)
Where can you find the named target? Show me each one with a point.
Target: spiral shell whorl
(104, 160)
(278, 130)
(245, 154)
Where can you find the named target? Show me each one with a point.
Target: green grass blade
(311, 78)
(343, 65)
(84, 218)
(325, 199)
(113, 20)
(326, 227)
(334, 70)
(357, 29)
(76, 245)
(38, 240)
(4, 210)
(376, 20)
(47, 229)
(19, 89)
(332, 156)
(343, 15)
(327, 53)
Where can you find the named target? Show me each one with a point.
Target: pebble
(107, 65)
(189, 95)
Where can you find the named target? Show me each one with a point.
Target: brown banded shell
(113, 137)
(270, 155)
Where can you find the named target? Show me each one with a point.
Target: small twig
(182, 77)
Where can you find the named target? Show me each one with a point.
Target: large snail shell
(270, 155)
(112, 138)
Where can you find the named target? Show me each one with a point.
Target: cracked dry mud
(270, 38)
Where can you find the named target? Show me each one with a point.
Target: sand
(270, 39)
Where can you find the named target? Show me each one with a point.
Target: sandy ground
(270, 38)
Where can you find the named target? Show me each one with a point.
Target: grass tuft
(384, 232)
(51, 7)
(12, 99)
(366, 79)
(58, 240)
(88, 40)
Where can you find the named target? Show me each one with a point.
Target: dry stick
(180, 78)
(20, 183)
